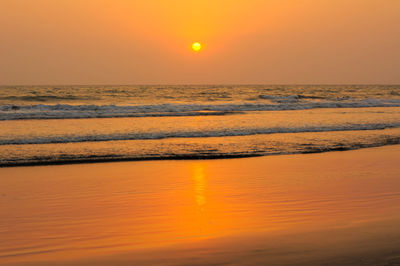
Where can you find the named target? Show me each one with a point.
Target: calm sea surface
(64, 124)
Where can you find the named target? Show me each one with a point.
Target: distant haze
(245, 41)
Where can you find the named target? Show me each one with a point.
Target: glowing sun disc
(196, 46)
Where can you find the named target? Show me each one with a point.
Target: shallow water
(47, 125)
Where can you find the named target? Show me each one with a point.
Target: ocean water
(68, 124)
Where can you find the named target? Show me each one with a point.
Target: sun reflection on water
(200, 184)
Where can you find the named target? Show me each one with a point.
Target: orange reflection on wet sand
(200, 183)
(82, 211)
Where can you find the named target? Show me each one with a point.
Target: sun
(196, 46)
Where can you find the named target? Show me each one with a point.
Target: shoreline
(182, 158)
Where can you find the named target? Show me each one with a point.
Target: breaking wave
(278, 103)
(191, 134)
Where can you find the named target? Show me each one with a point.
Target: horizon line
(204, 84)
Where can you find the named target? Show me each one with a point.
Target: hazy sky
(245, 41)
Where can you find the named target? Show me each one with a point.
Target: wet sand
(337, 208)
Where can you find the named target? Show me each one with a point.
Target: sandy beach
(337, 208)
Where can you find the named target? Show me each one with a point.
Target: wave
(45, 98)
(66, 111)
(198, 155)
(115, 158)
(296, 98)
(192, 134)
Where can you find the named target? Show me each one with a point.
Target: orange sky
(245, 41)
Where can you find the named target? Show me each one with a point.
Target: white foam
(65, 111)
(191, 134)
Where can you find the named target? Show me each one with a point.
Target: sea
(41, 125)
